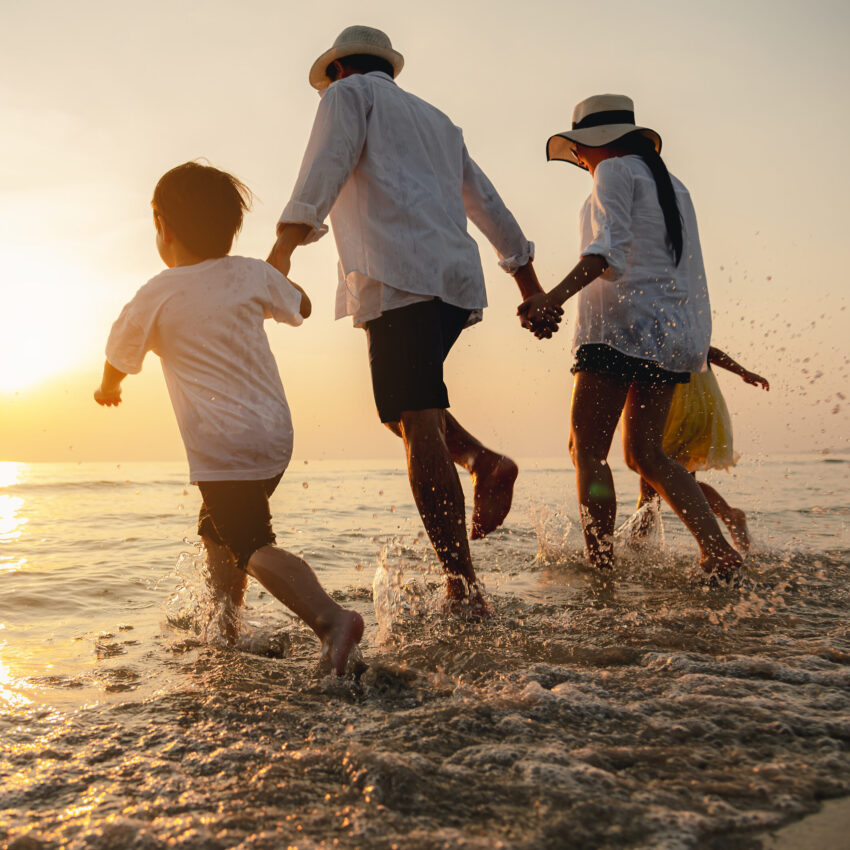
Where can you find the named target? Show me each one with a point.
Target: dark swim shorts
(236, 514)
(602, 358)
(407, 347)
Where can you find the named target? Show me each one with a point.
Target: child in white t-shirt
(204, 317)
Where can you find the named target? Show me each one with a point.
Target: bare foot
(341, 639)
(465, 600)
(493, 478)
(724, 565)
(223, 623)
(736, 522)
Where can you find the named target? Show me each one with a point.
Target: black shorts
(598, 357)
(407, 347)
(236, 514)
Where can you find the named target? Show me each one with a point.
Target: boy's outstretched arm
(306, 305)
(108, 394)
(721, 359)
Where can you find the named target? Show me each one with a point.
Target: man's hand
(289, 237)
(107, 399)
(540, 315)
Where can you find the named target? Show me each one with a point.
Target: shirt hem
(205, 475)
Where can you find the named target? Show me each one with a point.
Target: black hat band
(609, 116)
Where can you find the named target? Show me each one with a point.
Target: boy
(204, 317)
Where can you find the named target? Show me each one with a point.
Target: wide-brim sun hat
(353, 41)
(598, 121)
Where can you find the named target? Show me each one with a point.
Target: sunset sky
(98, 99)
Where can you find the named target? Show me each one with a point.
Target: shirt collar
(383, 74)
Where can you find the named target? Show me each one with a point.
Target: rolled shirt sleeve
(610, 211)
(487, 211)
(335, 145)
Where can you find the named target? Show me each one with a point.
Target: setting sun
(44, 328)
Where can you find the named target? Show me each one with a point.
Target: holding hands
(540, 314)
(541, 311)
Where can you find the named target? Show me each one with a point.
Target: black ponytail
(642, 146)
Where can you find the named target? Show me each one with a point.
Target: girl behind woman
(698, 434)
(643, 322)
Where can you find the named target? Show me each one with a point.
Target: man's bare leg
(439, 498)
(291, 580)
(227, 584)
(493, 477)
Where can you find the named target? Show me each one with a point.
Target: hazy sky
(98, 99)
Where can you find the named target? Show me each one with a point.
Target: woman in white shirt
(643, 322)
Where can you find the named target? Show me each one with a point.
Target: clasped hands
(540, 314)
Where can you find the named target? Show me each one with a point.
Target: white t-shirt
(205, 322)
(643, 304)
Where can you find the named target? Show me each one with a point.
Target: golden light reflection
(8, 696)
(10, 473)
(11, 520)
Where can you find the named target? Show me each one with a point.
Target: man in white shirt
(395, 176)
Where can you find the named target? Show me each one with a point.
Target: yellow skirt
(698, 431)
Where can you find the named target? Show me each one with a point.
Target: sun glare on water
(45, 328)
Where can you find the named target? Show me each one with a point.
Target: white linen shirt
(396, 178)
(205, 321)
(643, 305)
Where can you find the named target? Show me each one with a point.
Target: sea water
(654, 712)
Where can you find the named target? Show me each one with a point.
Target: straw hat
(351, 42)
(598, 121)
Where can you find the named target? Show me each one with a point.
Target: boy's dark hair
(362, 63)
(203, 206)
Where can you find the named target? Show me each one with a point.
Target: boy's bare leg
(644, 416)
(733, 518)
(227, 584)
(493, 477)
(597, 402)
(439, 498)
(291, 580)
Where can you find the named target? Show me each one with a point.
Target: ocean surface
(658, 713)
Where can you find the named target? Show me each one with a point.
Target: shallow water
(657, 713)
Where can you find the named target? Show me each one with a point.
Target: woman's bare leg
(644, 416)
(290, 580)
(647, 494)
(733, 518)
(596, 406)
